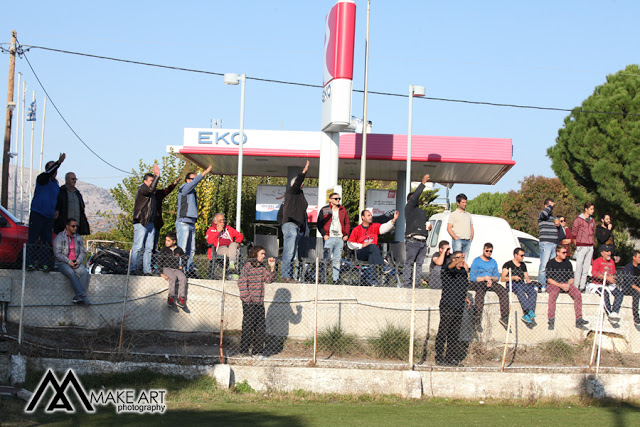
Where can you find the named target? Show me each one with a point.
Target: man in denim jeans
(144, 213)
(334, 225)
(460, 227)
(548, 226)
(187, 215)
(292, 217)
(69, 252)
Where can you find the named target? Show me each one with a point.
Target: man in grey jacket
(187, 215)
(69, 252)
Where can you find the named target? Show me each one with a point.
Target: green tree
(597, 156)
(521, 208)
(487, 204)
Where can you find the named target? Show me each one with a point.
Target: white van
(486, 229)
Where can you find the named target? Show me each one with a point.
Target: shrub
(335, 340)
(392, 342)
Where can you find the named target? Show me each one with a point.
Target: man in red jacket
(364, 238)
(583, 228)
(333, 224)
(224, 239)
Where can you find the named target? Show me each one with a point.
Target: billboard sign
(270, 197)
(380, 202)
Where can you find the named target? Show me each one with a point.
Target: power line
(462, 101)
(65, 120)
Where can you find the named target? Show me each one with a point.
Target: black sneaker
(77, 300)
(30, 267)
(504, 321)
(45, 269)
(636, 321)
(477, 325)
(581, 322)
(552, 324)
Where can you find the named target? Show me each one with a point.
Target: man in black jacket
(144, 214)
(70, 205)
(292, 217)
(415, 235)
(604, 235)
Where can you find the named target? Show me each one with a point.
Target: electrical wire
(65, 120)
(463, 101)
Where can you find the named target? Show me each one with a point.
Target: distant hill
(96, 199)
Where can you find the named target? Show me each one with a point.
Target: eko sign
(209, 137)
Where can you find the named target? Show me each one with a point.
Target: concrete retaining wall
(460, 383)
(361, 311)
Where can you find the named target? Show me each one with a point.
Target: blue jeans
(40, 227)
(79, 277)
(142, 241)
(415, 253)
(617, 299)
(527, 296)
(463, 245)
(547, 251)
(186, 234)
(291, 235)
(370, 253)
(334, 246)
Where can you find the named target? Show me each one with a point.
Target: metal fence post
(506, 339)
(24, 275)
(599, 327)
(315, 318)
(413, 317)
(224, 279)
(124, 304)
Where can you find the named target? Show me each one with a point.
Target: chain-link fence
(247, 312)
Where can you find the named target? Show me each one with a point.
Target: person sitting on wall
(484, 277)
(560, 279)
(522, 285)
(172, 260)
(69, 252)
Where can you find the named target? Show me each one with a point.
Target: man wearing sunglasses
(334, 226)
(484, 277)
(560, 279)
(69, 252)
(521, 285)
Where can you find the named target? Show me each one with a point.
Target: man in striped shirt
(253, 277)
(548, 225)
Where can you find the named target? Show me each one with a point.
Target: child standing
(171, 259)
(253, 277)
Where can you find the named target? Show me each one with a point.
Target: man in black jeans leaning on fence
(631, 280)
(415, 236)
(452, 305)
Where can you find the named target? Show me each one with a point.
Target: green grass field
(200, 402)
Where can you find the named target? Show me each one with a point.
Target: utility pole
(4, 197)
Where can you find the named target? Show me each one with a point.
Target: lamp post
(413, 91)
(234, 79)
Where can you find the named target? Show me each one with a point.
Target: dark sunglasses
(563, 252)
(488, 250)
(336, 198)
(73, 226)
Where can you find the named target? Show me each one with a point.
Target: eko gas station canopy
(448, 160)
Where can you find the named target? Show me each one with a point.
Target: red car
(13, 236)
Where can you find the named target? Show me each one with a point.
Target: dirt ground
(189, 348)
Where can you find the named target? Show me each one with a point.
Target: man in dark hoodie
(292, 217)
(415, 235)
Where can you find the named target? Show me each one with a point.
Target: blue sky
(546, 53)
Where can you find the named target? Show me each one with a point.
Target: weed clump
(392, 342)
(335, 340)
